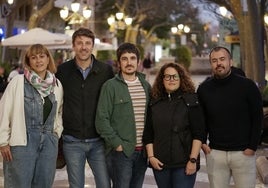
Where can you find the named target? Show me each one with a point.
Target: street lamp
(180, 29)
(223, 11)
(10, 2)
(75, 17)
(119, 21)
(266, 19)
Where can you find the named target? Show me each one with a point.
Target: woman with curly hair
(174, 130)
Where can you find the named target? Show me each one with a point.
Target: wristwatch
(193, 160)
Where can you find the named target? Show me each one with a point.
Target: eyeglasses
(168, 77)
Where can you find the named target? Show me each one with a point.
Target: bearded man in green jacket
(120, 119)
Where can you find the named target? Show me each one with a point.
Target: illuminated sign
(232, 39)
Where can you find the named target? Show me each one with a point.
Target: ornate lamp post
(119, 21)
(180, 30)
(76, 17)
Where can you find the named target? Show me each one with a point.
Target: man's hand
(249, 152)
(119, 148)
(206, 149)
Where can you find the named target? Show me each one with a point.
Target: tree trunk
(9, 24)
(39, 14)
(251, 43)
(132, 34)
(256, 39)
(251, 48)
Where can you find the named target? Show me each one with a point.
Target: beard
(222, 73)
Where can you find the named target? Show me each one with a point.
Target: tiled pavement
(149, 182)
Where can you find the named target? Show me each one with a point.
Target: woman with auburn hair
(175, 129)
(30, 122)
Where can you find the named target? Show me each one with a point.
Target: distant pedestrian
(233, 112)
(146, 65)
(16, 70)
(3, 80)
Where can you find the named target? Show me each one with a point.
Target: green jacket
(115, 120)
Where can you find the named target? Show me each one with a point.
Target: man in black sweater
(233, 112)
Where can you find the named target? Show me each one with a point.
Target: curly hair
(127, 47)
(186, 83)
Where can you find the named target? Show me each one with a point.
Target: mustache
(129, 66)
(85, 50)
(219, 66)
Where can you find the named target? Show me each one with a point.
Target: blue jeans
(174, 178)
(33, 165)
(76, 154)
(127, 172)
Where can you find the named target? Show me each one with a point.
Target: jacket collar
(176, 94)
(94, 66)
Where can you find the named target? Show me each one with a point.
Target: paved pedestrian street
(149, 182)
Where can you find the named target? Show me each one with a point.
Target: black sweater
(233, 112)
(81, 97)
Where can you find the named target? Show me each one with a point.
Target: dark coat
(81, 97)
(173, 123)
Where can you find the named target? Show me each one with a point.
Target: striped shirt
(138, 98)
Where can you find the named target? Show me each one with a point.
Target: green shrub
(106, 55)
(109, 57)
(182, 56)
